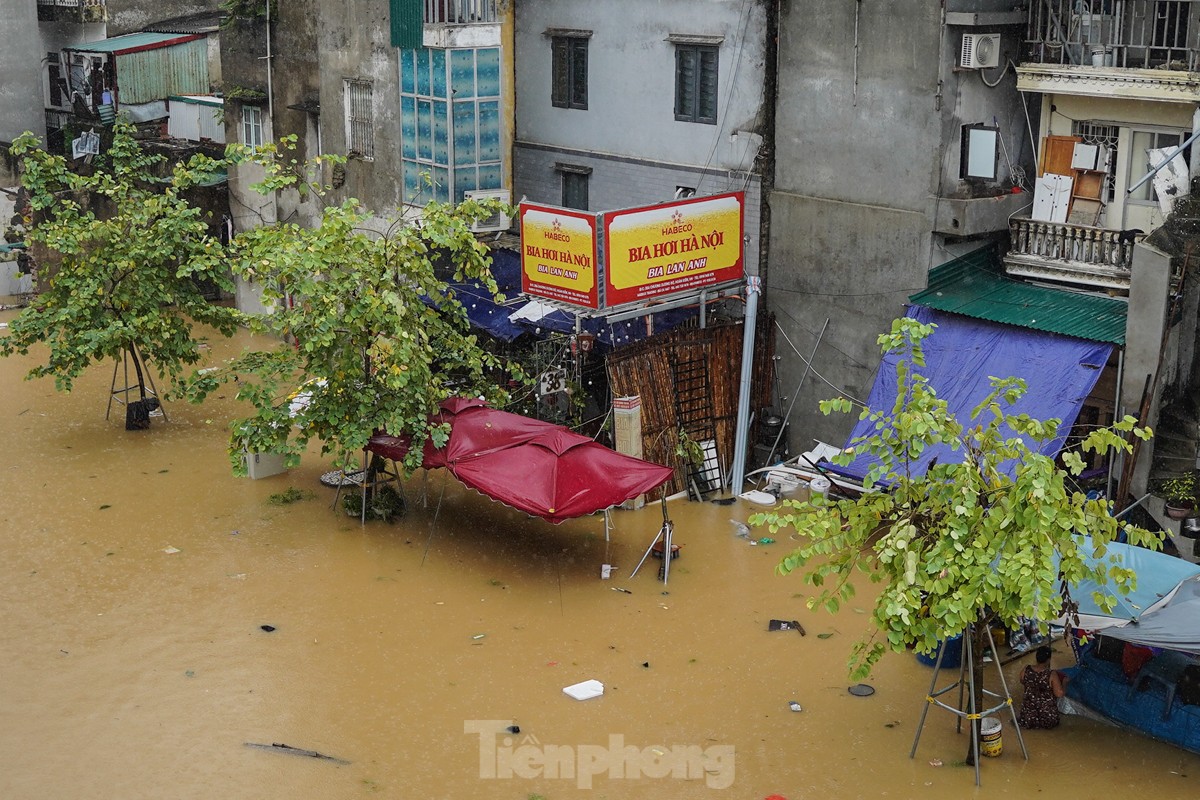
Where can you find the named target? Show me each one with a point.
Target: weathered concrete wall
(130, 16)
(1147, 324)
(812, 279)
(631, 78)
(869, 121)
(21, 87)
(630, 139)
(354, 42)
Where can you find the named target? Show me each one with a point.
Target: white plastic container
(820, 485)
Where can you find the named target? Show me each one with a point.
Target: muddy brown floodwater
(137, 574)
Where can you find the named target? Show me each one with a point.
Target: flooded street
(138, 574)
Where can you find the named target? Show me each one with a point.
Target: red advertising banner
(673, 247)
(558, 255)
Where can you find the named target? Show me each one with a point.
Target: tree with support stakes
(131, 252)
(375, 336)
(996, 538)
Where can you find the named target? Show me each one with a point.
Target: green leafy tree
(130, 250)
(374, 335)
(963, 544)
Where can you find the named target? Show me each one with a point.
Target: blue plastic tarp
(487, 315)
(1160, 578)
(963, 353)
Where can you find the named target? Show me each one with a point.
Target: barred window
(1104, 136)
(360, 119)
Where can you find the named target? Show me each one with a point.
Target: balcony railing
(460, 12)
(1076, 253)
(1144, 34)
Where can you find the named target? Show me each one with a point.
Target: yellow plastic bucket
(991, 741)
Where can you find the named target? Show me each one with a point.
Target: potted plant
(384, 503)
(1179, 493)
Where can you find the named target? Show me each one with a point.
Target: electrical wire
(717, 134)
(1004, 71)
(813, 369)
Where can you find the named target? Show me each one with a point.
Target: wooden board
(1057, 154)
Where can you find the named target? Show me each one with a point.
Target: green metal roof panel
(976, 286)
(130, 41)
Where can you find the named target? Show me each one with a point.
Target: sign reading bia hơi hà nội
(648, 252)
(672, 248)
(558, 255)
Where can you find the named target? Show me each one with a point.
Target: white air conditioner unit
(496, 222)
(980, 51)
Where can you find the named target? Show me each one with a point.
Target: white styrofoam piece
(755, 496)
(585, 690)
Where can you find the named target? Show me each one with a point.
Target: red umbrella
(558, 475)
(538, 467)
(475, 428)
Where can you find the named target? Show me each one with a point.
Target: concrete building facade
(869, 190)
(627, 104)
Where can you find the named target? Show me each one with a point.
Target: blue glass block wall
(450, 122)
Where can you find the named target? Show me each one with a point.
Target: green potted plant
(1179, 493)
(384, 503)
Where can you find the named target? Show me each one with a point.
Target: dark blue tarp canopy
(963, 353)
(493, 318)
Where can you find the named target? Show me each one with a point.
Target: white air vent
(980, 50)
(497, 222)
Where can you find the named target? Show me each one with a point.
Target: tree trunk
(132, 352)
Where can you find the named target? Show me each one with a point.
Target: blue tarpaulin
(961, 355)
(493, 318)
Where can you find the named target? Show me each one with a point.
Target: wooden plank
(1057, 154)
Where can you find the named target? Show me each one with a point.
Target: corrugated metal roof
(131, 41)
(147, 75)
(975, 286)
(201, 22)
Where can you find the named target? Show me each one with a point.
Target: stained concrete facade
(869, 121)
(628, 137)
(131, 16)
(20, 90)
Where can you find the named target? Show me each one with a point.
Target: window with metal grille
(1105, 137)
(252, 130)
(569, 71)
(360, 119)
(696, 83)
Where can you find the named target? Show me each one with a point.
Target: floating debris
(279, 747)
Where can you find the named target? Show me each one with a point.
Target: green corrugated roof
(975, 286)
(130, 41)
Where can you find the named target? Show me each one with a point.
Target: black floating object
(725, 501)
(513, 729)
(646, 664)
(862, 690)
(267, 628)
(785, 625)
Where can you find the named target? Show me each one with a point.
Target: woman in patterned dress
(1043, 687)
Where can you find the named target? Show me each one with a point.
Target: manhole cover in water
(862, 690)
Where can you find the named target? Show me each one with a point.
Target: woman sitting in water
(1043, 687)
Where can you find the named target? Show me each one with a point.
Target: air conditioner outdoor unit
(496, 222)
(980, 51)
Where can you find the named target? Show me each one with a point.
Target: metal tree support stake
(971, 714)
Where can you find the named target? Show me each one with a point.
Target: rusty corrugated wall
(645, 369)
(156, 74)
